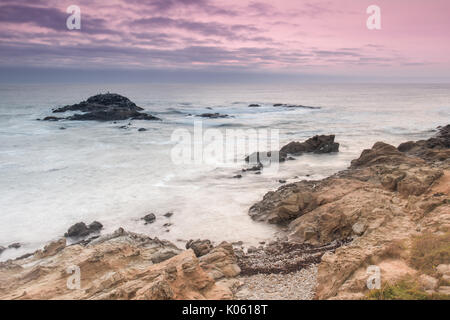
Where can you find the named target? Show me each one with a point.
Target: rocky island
(104, 107)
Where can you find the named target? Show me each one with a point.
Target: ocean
(52, 178)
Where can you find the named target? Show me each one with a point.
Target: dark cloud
(44, 17)
(50, 18)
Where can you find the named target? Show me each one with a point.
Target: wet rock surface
(103, 107)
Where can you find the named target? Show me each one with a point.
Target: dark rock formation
(80, 229)
(215, 115)
(200, 247)
(104, 107)
(316, 144)
(149, 218)
(14, 246)
(95, 226)
(435, 148)
(168, 214)
(254, 105)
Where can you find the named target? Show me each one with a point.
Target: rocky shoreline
(388, 206)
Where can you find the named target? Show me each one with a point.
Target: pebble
(298, 285)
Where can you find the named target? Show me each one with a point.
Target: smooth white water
(52, 178)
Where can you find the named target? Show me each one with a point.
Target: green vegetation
(429, 251)
(406, 289)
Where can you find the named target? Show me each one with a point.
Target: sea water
(52, 178)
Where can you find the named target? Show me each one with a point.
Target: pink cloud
(289, 36)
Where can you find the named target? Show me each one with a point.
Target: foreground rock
(122, 265)
(104, 107)
(317, 144)
(385, 201)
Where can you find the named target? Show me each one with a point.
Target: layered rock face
(122, 265)
(104, 107)
(388, 195)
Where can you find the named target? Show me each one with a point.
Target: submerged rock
(104, 107)
(215, 115)
(284, 105)
(15, 245)
(149, 218)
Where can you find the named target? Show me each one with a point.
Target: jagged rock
(122, 265)
(386, 197)
(168, 214)
(200, 247)
(104, 107)
(254, 105)
(142, 129)
(316, 144)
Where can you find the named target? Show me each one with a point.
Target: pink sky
(294, 36)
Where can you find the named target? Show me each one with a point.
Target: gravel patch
(299, 285)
